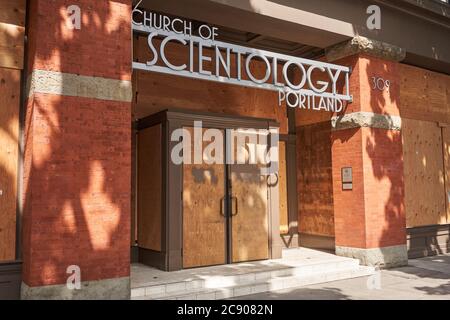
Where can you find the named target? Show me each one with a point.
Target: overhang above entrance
(326, 23)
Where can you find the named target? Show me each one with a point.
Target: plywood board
(9, 152)
(149, 188)
(12, 30)
(11, 35)
(204, 229)
(314, 180)
(11, 57)
(423, 173)
(282, 188)
(424, 94)
(249, 231)
(305, 117)
(133, 229)
(446, 151)
(250, 222)
(13, 12)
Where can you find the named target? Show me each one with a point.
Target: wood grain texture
(314, 179)
(424, 95)
(306, 117)
(446, 151)
(249, 231)
(12, 22)
(133, 229)
(423, 173)
(12, 30)
(9, 153)
(204, 229)
(13, 12)
(149, 188)
(282, 189)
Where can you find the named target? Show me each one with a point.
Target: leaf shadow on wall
(382, 222)
(384, 150)
(77, 150)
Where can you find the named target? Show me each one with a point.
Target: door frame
(170, 257)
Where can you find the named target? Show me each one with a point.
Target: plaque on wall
(347, 178)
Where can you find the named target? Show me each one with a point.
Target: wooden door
(248, 200)
(204, 227)
(149, 188)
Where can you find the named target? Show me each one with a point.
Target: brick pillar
(77, 164)
(370, 220)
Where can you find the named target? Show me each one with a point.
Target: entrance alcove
(155, 92)
(195, 213)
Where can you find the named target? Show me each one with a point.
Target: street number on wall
(381, 84)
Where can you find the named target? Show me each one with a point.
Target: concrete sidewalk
(425, 278)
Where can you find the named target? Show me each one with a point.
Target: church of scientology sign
(305, 92)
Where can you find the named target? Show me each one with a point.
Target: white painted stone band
(385, 257)
(68, 84)
(106, 289)
(366, 119)
(361, 44)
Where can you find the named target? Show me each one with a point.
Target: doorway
(225, 211)
(215, 207)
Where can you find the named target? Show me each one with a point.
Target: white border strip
(68, 84)
(279, 56)
(363, 119)
(244, 83)
(246, 50)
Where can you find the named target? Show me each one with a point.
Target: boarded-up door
(446, 151)
(204, 228)
(248, 205)
(225, 213)
(424, 173)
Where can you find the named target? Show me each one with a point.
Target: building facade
(350, 100)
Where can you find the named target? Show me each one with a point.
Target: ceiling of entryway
(258, 41)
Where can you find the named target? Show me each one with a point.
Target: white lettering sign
(210, 59)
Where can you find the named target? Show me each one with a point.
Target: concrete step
(167, 287)
(275, 283)
(219, 287)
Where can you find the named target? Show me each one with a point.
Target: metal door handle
(235, 206)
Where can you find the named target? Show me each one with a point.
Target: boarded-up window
(425, 196)
(314, 179)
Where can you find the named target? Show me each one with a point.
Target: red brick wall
(379, 101)
(349, 210)
(78, 150)
(372, 214)
(384, 188)
(354, 80)
(365, 67)
(101, 48)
